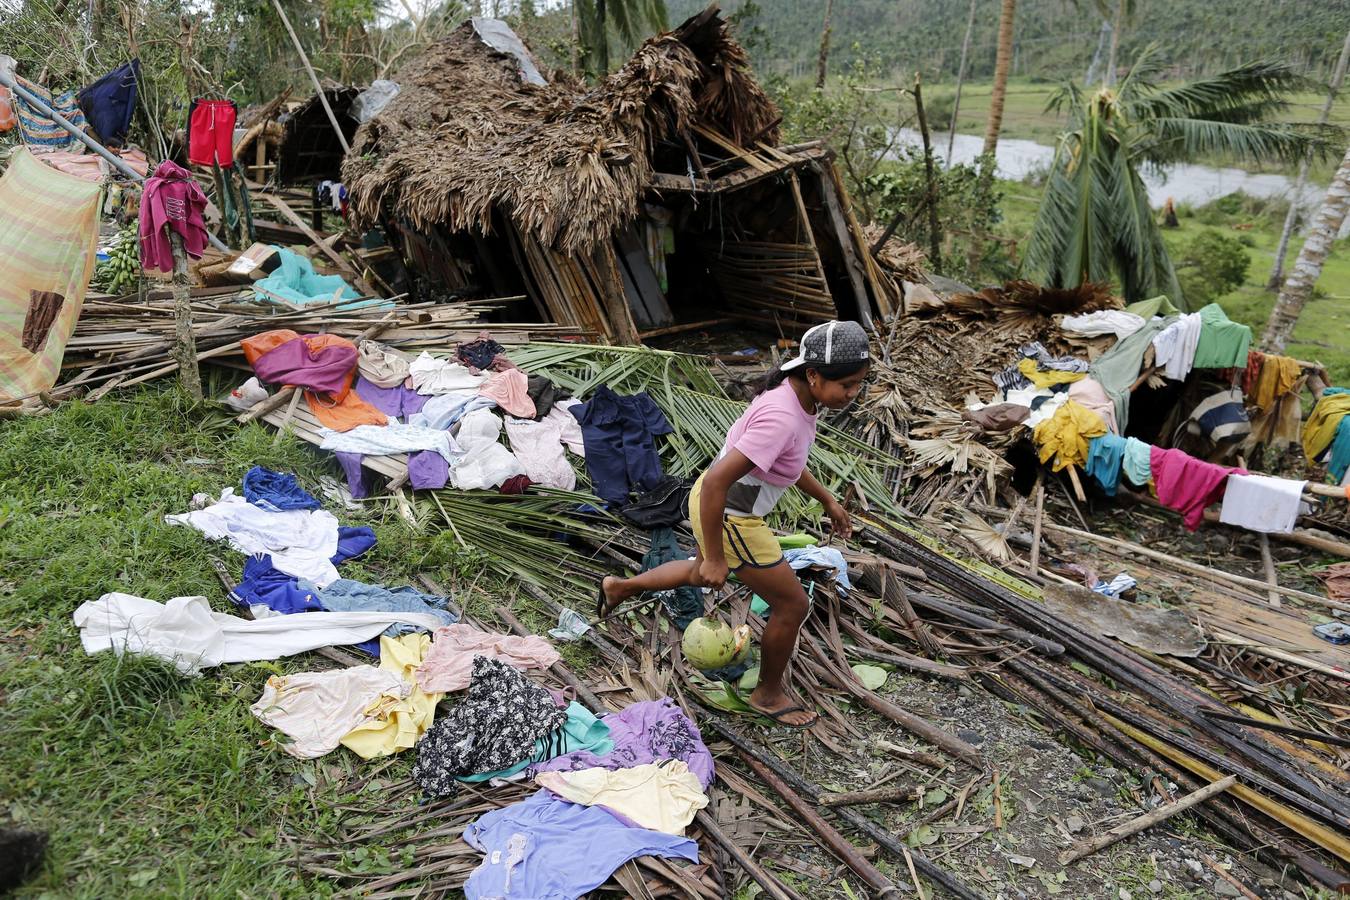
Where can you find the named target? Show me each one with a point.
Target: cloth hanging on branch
(39, 130)
(110, 102)
(49, 232)
(1223, 343)
(1187, 484)
(171, 200)
(1262, 503)
(1323, 428)
(1064, 437)
(211, 132)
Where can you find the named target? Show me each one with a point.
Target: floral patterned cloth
(495, 727)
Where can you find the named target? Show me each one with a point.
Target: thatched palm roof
(465, 136)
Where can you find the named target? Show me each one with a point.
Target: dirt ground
(1048, 795)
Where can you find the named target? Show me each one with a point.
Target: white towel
(1262, 503)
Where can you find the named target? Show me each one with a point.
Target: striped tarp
(48, 238)
(39, 130)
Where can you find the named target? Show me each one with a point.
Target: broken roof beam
(663, 181)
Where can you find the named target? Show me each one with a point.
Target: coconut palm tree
(630, 19)
(1298, 288)
(1002, 63)
(1095, 220)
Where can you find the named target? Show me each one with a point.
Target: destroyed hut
(658, 199)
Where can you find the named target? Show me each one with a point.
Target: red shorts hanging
(211, 132)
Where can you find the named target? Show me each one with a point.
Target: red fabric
(211, 133)
(1255, 358)
(1187, 484)
(171, 199)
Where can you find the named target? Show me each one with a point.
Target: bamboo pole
(838, 844)
(899, 794)
(304, 58)
(1148, 820)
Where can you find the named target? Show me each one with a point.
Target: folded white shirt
(1262, 503)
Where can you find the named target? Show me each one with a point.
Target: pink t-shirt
(775, 434)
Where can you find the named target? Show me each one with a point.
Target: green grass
(151, 784)
(1323, 331)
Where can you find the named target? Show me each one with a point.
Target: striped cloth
(49, 232)
(39, 130)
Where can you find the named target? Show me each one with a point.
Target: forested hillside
(1054, 39)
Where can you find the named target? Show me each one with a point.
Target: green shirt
(1223, 343)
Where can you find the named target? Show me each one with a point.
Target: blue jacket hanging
(110, 102)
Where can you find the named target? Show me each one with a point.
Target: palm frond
(1177, 139)
(1215, 96)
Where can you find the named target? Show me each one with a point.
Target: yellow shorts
(746, 540)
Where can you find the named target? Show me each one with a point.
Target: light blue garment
(444, 410)
(295, 281)
(581, 731)
(1116, 586)
(828, 557)
(1103, 463)
(543, 848)
(349, 595)
(1137, 461)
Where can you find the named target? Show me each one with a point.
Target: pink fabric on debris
(327, 368)
(1187, 484)
(511, 391)
(449, 664)
(171, 199)
(90, 166)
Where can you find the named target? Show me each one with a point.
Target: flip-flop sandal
(777, 716)
(601, 601)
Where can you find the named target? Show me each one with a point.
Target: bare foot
(784, 710)
(607, 601)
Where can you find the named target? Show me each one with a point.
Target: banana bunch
(121, 272)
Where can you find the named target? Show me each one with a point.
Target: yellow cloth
(1049, 377)
(746, 540)
(1065, 435)
(662, 797)
(48, 235)
(1278, 376)
(1320, 429)
(393, 723)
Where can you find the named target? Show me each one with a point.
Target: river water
(1193, 185)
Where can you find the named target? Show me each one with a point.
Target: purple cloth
(294, 363)
(643, 733)
(396, 402)
(543, 848)
(427, 470)
(356, 476)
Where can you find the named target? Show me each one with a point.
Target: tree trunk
(960, 80)
(1004, 60)
(576, 40)
(1110, 78)
(823, 62)
(1291, 217)
(1096, 65)
(931, 194)
(1308, 267)
(184, 342)
(602, 35)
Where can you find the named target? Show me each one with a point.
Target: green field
(1323, 332)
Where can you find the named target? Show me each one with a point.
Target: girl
(765, 454)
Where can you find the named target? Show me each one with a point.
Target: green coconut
(713, 644)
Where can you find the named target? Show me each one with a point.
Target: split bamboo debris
(1148, 820)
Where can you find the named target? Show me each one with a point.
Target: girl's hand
(713, 573)
(840, 523)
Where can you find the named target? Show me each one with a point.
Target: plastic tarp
(49, 237)
(296, 282)
(499, 36)
(372, 100)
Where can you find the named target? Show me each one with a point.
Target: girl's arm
(841, 524)
(712, 508)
